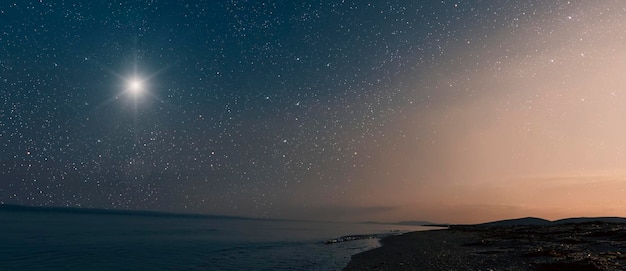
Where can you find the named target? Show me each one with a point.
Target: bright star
(135, 86)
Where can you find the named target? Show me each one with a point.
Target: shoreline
(582, 246)
(422, 250)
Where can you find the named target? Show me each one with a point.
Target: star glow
(135, 86)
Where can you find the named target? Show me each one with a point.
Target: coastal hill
(95, 211)
(534, 221)
(590, 219)
(403, 223)
(526, 221)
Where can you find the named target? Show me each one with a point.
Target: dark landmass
(73, 210)
(527, 221)
(590, 219)
(413, 223)
(577, 244)
(403, 223)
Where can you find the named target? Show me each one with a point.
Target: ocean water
(53, 240)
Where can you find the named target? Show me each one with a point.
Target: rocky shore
(578, 247)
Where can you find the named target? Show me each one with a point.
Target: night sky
(452, 111)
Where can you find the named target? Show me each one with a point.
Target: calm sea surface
(79, 241)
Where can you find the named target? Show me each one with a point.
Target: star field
(325, 109)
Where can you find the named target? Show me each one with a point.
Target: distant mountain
(590, 219)
(526, 221)
(413, 223)
(74, 210)
(403, 223)
(533, 221)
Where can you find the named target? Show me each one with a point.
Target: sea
(38, 239)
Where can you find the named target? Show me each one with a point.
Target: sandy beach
(584, 246)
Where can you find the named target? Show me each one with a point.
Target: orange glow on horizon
(540, 130)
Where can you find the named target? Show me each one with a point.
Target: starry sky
(449, 111)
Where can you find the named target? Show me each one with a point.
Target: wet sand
(583, 246)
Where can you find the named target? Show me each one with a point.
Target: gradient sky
(449, 111)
